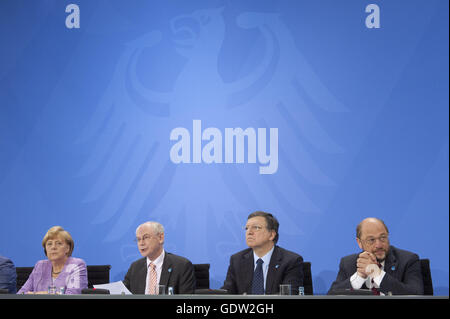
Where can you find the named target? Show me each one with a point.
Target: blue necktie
(258, 279)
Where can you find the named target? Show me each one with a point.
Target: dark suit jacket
(7, 275)
(285, 267)
(176, 272)
(403, 273)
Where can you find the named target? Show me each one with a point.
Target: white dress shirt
(357, 281)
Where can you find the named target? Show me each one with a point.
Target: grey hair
(155, 226)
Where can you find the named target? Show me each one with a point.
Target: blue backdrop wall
(196, 113)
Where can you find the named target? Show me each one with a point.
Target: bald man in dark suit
(380, 267)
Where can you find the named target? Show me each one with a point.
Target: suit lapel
(391, 263)
(248, 268)
(142, 276)
(272, 272)
(166, 270)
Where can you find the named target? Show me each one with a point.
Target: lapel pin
(393, 268)
(276, 266)
(169, 270)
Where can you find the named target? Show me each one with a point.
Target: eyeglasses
(253, 228)
(143, 238)
(371, 241)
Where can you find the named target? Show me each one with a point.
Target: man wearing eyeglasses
(380, 267)
(262, 267)
(158, 267)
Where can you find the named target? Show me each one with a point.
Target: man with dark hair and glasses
(261, 268)
(158, 267)
(380, 267)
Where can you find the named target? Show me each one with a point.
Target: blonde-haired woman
(60, 272)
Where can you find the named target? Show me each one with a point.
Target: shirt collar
(158, 261)
(265, 258)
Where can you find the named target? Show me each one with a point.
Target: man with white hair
(158, 267)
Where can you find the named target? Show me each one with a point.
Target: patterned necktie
(376, 291)
(152, 280)
(258, 279)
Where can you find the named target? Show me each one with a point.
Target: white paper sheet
(115, 288)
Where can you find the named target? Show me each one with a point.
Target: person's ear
(273, 234)
(359, 243)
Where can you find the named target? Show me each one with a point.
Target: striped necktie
(152, 280)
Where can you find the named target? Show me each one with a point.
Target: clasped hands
(367, 265)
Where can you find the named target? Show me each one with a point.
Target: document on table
(115, 288)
